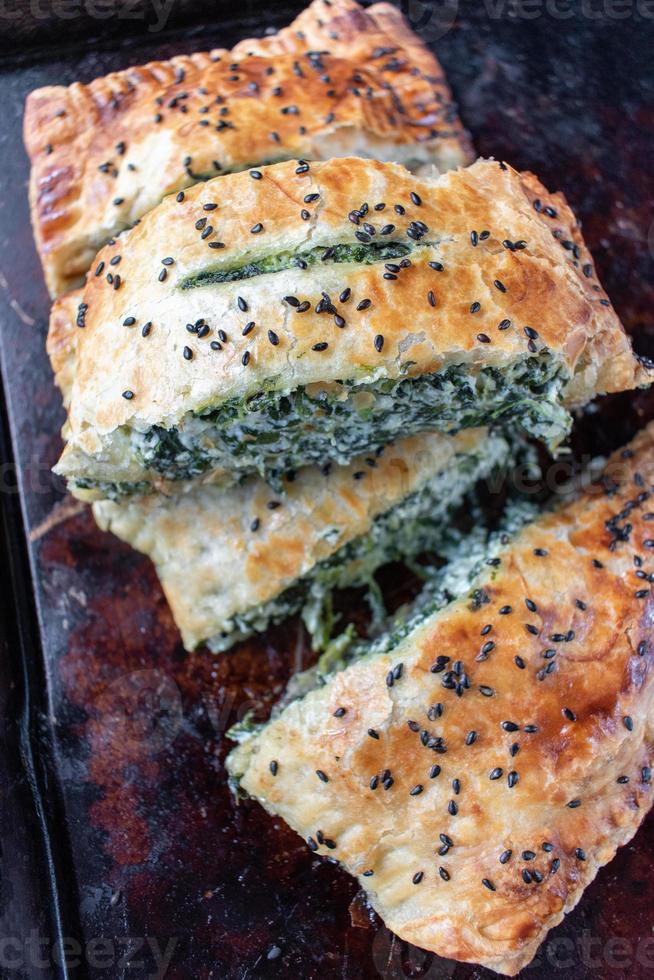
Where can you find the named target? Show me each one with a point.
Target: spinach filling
(273, 432)
(414, 526)
(360, 253)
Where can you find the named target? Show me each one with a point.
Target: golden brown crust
(570, 583)
(61, 344)
(103, 154)
(200, 534)
(426, 318)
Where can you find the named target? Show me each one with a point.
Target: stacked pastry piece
(281, 377)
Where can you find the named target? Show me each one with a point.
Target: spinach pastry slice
(255, 557)
(477, 776)
(338, 81)
(342, 304)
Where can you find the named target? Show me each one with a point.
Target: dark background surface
(115, 818)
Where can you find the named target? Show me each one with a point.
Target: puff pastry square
(262, 324)
(477, 777)
(338, 81)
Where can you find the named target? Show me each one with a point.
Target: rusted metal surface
(147, 841)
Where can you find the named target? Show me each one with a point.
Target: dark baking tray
(117, 825)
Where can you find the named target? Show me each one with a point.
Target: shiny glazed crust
(530, 826)
(510, 252)
(105, 153)
(207, 536)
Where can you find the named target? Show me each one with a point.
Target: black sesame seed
(340, 712)
(438, 266)
(488, 884)
(580, 854)
(417, 878)
(628, 723)
(242, 305)
(245, 360)
(273, 338)
(320, 346)
(510, 726)
(499, 285)
(255, 229)
(475, 307)
(255, 525)
(573, 804)
(163, 274)
(373, 733)
(416, 791)
(483, 338)
(322, 776)
(188, 354)
(505, 856)
(496, 773)
(379, 343)
(512, 778)
(434, 771)
(364, 304)
(128, 394)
